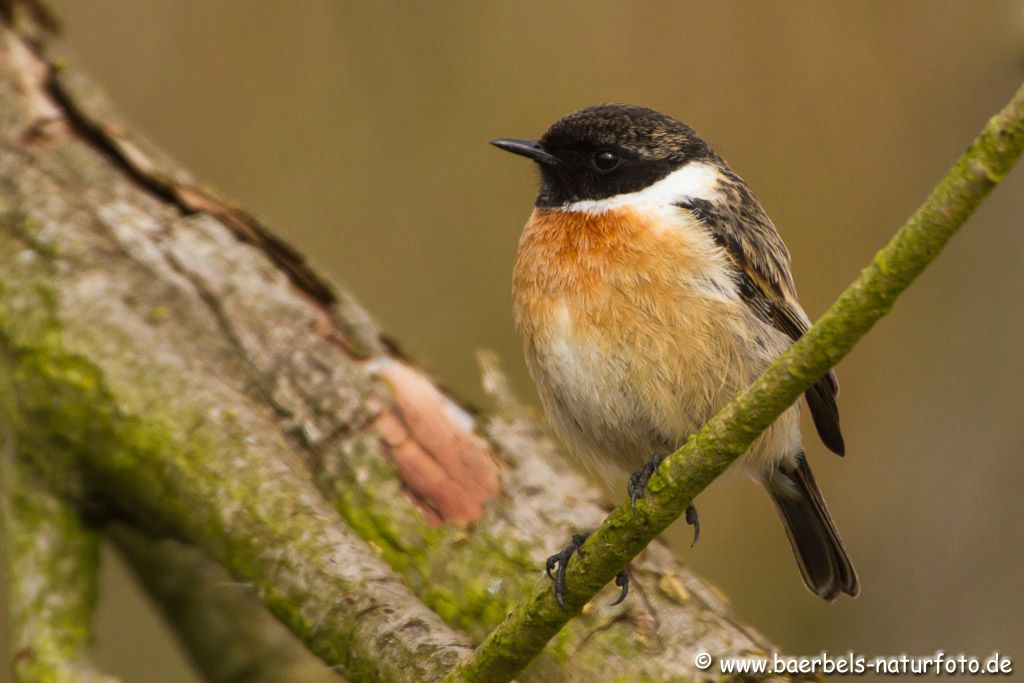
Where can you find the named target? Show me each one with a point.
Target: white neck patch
(696, 180)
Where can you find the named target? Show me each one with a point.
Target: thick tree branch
(142, 421)
(52, 559)
(706, 455)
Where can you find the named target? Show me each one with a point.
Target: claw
(560, 561)
(638, 480)
(693, 520)
(551, 564)
(622, 580)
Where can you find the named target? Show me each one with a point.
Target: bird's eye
(605, 160)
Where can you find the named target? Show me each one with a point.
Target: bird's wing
(740, 226)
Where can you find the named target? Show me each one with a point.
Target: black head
(607, 150)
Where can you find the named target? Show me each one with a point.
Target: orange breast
(618, 270)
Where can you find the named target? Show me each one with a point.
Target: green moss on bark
(473, 593)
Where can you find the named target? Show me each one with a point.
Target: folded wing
(740, 226)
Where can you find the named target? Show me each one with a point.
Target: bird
(649, 288)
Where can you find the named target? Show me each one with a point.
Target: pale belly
(619, 400)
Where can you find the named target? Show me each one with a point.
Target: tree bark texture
(169, 365)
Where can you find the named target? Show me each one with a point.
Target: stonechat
(649, 288)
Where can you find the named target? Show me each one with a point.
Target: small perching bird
(650, 287)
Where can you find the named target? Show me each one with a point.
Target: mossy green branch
(706, 455)
(52, 559)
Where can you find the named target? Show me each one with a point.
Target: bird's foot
(693, 520)
(622, 581)
(558, 563)
(638, 480)
(560, 560)
(638, 483)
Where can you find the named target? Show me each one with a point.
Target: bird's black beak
(526, 148)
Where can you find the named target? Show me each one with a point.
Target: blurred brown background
(359, 132)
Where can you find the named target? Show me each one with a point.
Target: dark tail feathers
(819, 550)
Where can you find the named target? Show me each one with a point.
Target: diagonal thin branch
(685, 473)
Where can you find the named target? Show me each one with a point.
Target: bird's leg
(622, 581)
(560, 560)
(693, 520)
(638, 480)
